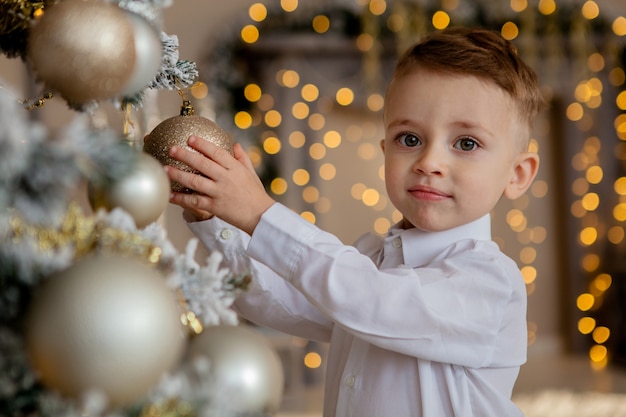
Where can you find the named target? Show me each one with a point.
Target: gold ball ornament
(107, 323)
(83, 49)
(143, 193)
(175, 131)
(244, 366)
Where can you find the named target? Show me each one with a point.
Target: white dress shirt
(419, 324)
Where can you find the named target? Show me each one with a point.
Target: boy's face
(453, 146)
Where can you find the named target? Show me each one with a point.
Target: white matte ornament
(83, 49)
(144, 193)
(148, 55)
(246, 368)
(108, 323)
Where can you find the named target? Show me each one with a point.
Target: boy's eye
(466, 144)
(408, 139)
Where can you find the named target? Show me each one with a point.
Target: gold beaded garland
(30, 105)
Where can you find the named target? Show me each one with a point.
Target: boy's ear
(382, 145)
(524, 173)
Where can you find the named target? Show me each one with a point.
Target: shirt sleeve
(452, 311)
(270, 301)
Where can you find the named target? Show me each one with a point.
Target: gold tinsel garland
(85, 235)
(168, 408)
(16, 17)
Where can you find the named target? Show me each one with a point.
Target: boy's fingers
(242, 156)
(207, 166)
(189, 180)
(211, 150)
(198, 203)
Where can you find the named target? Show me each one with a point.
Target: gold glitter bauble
(107, 322)
(175, 131)
(83, 49)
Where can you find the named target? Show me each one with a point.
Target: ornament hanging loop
(186, 109)
(128, 125)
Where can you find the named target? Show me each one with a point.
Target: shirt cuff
(216, 234)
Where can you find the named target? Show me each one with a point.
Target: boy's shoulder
(369, 244)
(479, 255)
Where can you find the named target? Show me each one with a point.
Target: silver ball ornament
(107, 323)
(83, 49)
(175, 131)
(143, 193)
(148, 55)
(244, 366)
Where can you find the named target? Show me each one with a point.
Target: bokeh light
(305, 127)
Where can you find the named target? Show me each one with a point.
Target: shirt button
(350, 381)
(226, 234)
(397, 242)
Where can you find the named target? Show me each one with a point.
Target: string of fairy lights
(603, 75)
(597, 228)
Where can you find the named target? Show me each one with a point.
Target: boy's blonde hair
(481, 53)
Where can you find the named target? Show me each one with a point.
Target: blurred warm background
(301, 85)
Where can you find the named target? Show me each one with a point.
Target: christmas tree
(100, 314)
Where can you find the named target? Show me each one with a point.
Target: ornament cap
(186, 109)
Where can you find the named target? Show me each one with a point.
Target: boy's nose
(431, 161)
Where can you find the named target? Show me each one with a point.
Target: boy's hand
(228, 188)
(192, 215)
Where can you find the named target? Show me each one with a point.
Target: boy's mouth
(422, 192)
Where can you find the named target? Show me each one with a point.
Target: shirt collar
(419, 247)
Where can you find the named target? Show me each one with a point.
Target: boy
(430, 320)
